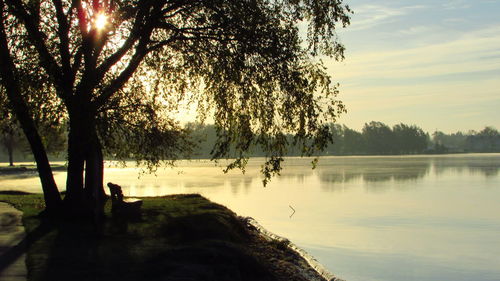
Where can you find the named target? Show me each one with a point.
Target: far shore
(61, 165)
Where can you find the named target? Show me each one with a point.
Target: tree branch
(22, 112)
(140, 52)
(124, 76)
(37, 38)
(63, 31)
(134, 36)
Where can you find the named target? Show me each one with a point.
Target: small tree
(13, 140)
(10, 136)
(121, 68)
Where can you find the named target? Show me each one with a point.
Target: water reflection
(333, 173)
(373, 173)
(365, 218)
(297, 174)
(338, 175)
(404, 169)
(487, 165)
(389, 266)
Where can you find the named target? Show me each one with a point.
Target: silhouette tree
(487, 140)
(455, 142)
(354, 143)
(118, 70)
(336, 148)
(378, 138)
(13, 140)
(408, 139)
(10, 136)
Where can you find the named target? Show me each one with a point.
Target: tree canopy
(118, 71)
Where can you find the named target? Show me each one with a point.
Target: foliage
(376, 138)
(14, 142)
(354, 142)
(486, 140)
(119, 85)
(47, 112)
(10, 136)
(452, 142)
(409, 139)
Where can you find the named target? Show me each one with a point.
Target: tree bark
(74, 200)
(21, 110)
(85, 191)
(94, 174)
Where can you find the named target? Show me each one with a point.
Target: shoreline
(60, 164)
(200, 219)
(312, 262)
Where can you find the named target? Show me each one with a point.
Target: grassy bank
(180, 237)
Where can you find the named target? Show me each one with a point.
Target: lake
(432, 218)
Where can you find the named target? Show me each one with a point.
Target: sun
(101, 21)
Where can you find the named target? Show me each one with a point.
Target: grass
(179, 237)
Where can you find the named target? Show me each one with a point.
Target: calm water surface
(433, 218)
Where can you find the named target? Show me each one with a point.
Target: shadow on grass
(177, 238)
(15, 252)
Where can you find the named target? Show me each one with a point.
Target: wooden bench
(123, 206)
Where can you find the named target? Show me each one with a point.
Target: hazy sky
(432, 63)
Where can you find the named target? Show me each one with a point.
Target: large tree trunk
(75, 200)
(85, 192)
(94, 174)
(21, 110)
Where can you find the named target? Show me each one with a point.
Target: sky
(432, 63)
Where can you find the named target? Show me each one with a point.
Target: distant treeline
(486, 140)
(377, 138)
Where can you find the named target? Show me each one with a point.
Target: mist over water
(364, 218)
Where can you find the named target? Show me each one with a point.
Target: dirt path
(12, 254)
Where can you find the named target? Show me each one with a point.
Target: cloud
(369, 16)
(413, 30)
(442, 85)
(472, 53)
(456, 5)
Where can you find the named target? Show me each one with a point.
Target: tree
(354, 143)
(454, 142)
(487, 140)
(12, 138)
(337, 139)
(12, 80)
(378, 138)
(408, 139)
(9, 136)
(119, 69)
(9, 132)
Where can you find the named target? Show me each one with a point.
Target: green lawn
(179, 237)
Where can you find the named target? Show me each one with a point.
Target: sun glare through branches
(101, 21)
